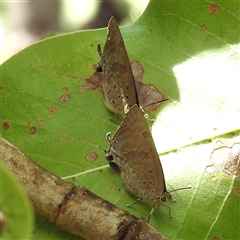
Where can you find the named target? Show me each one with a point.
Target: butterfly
(118, 81)
(133, 155)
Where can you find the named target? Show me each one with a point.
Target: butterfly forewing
(133, 150)
(118, 84)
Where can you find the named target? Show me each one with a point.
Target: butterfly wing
(133, 150)
(118, 84)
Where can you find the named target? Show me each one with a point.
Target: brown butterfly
(118, 83)
(133, 155)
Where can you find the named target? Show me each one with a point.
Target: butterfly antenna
(102, 149)
(150, 104)
(184, 188)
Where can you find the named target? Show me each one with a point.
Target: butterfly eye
(109, 158)
(163, 199)
(99, 69)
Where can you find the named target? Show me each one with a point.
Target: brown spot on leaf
(84, 138)
(65, 140)
(33, 130)
(91, 157)
(5, 126)
(94, 82)
(213, 9)
(1, 88)
(64, 98)
(214, 178)
(52, 110)
(40, 122)
(137, 70)
(203, 27)
(148, 96)
(216, 238)
(65, 89)
(226, 160)
(112, 187)
(238, 191)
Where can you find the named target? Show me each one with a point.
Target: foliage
(190, 51)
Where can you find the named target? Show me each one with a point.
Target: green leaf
(189, 51)
(15, 209)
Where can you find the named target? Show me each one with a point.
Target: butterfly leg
(153, 209)
(130, 205)
(169, 212)
(100, 52)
